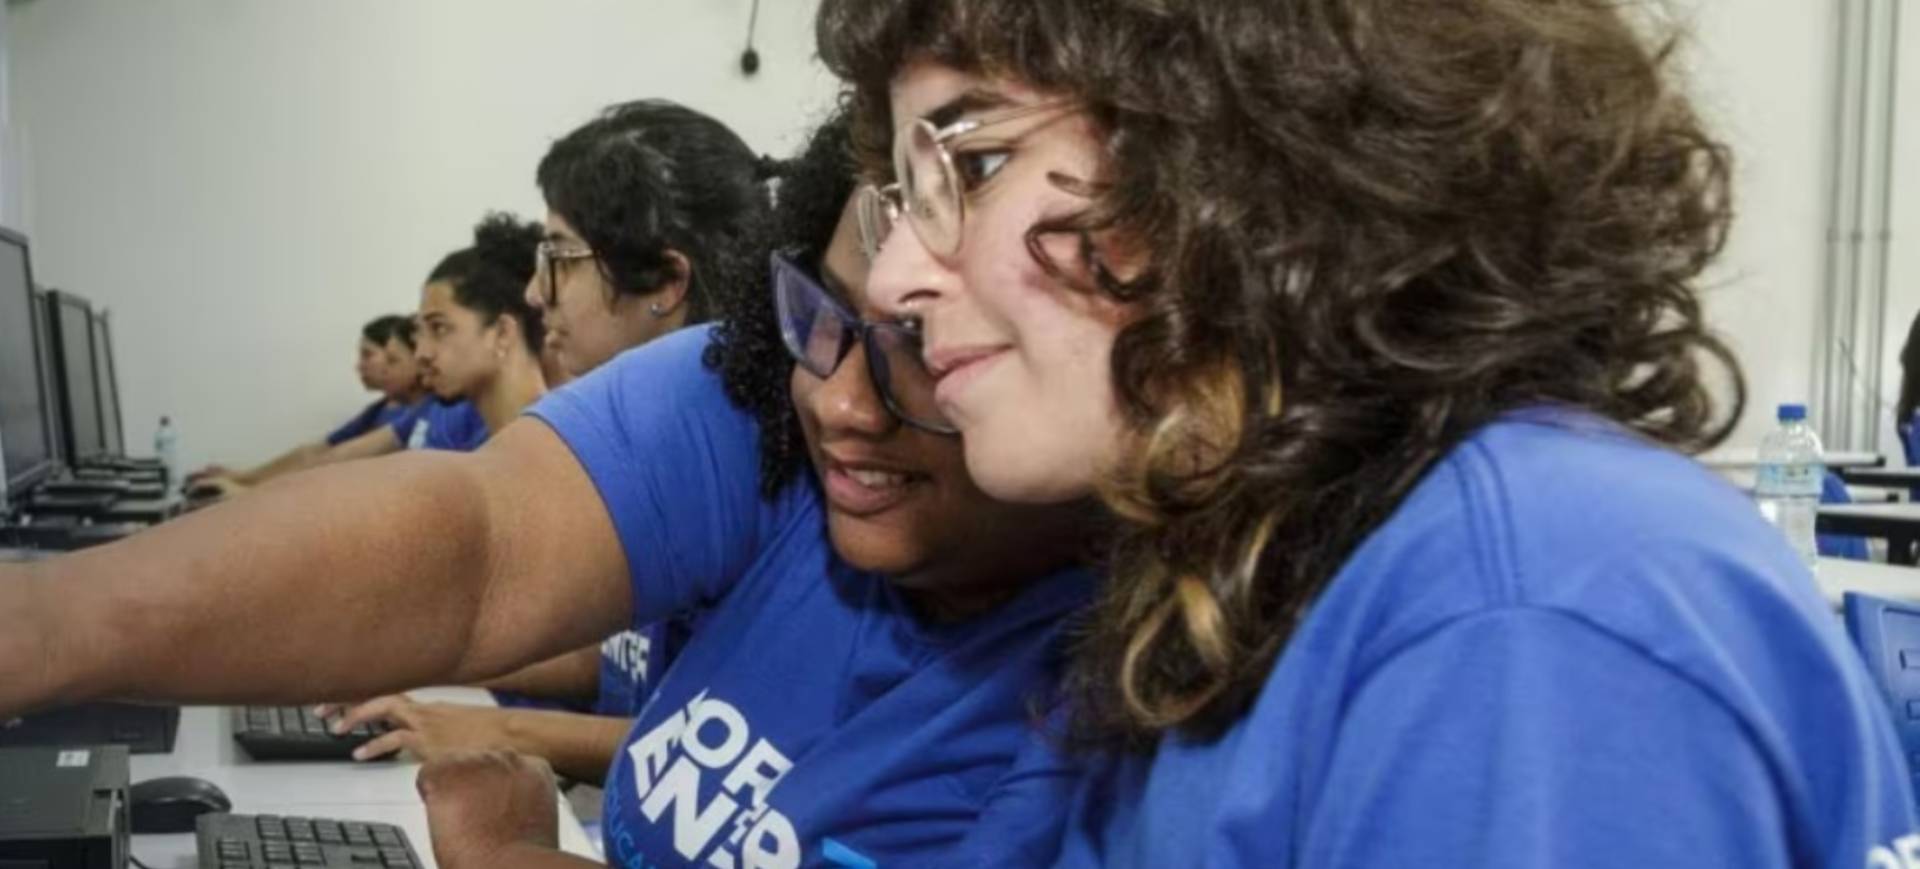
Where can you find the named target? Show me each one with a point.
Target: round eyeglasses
(927, 187)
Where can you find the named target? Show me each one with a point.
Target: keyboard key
(290, 719)
(369, 858)
(393, 857)
(358, 833)
(259, 718)
(300, 829)
(387, 836)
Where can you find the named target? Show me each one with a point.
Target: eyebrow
(973, 100)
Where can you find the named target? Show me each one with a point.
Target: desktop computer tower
(63, 807)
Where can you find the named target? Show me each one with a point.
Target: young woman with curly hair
(1376, 323)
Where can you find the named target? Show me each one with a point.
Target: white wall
(1761, 72)
(245, 182)
(12, 173)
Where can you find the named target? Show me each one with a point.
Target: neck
(1050, 539)
(518, 384)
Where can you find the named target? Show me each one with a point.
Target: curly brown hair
(1376, 225)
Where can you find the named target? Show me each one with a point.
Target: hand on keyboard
(428, 730)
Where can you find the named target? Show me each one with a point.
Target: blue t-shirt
(375, 415)
(1567, 647)
(631, 663)
(810, 718)
(432, 425)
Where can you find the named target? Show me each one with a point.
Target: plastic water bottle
(166, 445)
(1789, 479)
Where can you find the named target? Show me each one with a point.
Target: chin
(1019, 474)
(870, 549)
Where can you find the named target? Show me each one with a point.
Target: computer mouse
(169, 805)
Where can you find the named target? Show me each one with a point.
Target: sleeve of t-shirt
(403, 424)
(459, 428)
(1529, 737)
(677, 466)
(362, 422)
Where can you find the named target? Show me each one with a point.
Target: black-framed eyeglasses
(546, 255)
(819, 330)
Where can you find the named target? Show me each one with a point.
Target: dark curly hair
(491, 277)
(1369, 228)
(379, 330)
(746, 349)
(650, 176)
(403, 331)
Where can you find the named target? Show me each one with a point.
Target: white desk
(375, 791)
(1838, 576)
(1748, 458)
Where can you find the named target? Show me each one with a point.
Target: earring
(656, 310)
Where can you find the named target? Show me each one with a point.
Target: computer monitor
(73, 356)
(26, 446)
(49, 388)
(111, 429)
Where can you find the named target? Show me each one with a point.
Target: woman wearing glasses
(871, 638)
(649, 207)
(1375, 322)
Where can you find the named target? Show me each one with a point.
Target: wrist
(33, 638)
(519, 854)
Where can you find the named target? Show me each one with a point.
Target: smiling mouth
(864, 490)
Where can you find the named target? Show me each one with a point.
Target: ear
(507, 334)
(672, 294)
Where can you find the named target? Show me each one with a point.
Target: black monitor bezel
(19, 482)
(107, 386)
(55, 300)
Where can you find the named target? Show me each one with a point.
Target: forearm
(580, 747)
(285, 463)
(573, 676)
(353, 582)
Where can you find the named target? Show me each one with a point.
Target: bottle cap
(1793, 412)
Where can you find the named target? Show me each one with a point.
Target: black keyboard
(249, 841)
(295, 733)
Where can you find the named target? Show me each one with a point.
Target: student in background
(650, 205)
(462, 349)
(476, 339)
(393, 374)
(870, 634)
(1376, 324)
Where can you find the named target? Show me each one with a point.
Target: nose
(906, 279)
(535, 299)
(847, 403)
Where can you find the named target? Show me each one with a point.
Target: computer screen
(49, 384)
(73, 333)
(25, 445)
(109, 381)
